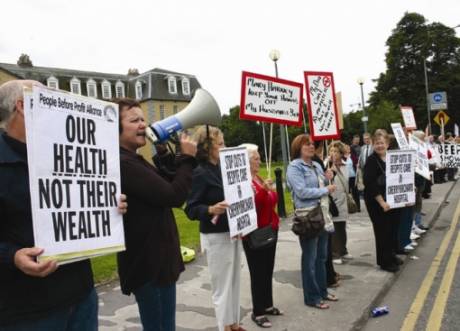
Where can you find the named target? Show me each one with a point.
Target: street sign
(438, 101)
(441, 116)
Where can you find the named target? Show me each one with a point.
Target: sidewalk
(363, 283)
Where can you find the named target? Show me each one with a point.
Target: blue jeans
(81, 316)
(405, 226)
(157, 307)
(314, 256)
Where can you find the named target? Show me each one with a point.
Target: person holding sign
(206, 204)
(152, 262)
(383, 219)
(261, 261)
(33, 295)
(306, 179)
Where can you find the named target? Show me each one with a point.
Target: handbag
(351, 204)
(333, 207)
(263, 237)
(310, 225)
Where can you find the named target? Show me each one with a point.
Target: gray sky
(214, 40)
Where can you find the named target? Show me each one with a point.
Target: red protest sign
(322, 106)
(270, 99)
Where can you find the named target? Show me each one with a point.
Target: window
(106, 89)
(138, 88)
(185, 86)
(172, 88)
(120, 89)
(52, 82)
(75, 86)
(175, 109)
(162, 112)
(91, 88)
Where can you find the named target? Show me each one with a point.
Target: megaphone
(203, 109)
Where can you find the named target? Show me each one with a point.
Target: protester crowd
(328, 182)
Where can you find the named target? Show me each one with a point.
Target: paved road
(363, 285)
(426, 295)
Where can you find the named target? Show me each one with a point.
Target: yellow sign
(441, 116)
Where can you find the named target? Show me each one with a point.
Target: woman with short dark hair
(306, 178)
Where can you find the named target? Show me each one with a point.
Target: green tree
(413, 41)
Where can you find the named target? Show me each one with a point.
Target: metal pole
(427, 96)
(282, 135)
(364, 107)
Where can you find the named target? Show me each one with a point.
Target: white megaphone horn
(203, 109)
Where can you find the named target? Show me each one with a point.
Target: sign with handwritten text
(322, 106)
(270, 99)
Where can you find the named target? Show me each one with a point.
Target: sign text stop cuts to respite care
(400, 188)
(74, 166)
(238, 191)
(270, 99)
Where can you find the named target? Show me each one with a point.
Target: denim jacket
(303, 182)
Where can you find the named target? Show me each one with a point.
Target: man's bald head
(10, 93)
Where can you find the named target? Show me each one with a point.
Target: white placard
(408, 117)
(400, 186)
(421, 161)
(400, 135)
(270, 99)
(74, 165)
(238, 191)
(450, 155)
(322, 107)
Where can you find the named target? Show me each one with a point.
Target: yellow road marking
(411, 319)
(435, 320)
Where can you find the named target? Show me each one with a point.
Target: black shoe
(398, 261)
(390, 268)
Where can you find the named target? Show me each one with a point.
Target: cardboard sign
(74, 168)
(408, 117)
(400, 186)
(450, 155)
(322, 106)
(421, 161)
(270, 99)
(400, 135)
(238, 192)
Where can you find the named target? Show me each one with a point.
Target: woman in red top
(261, 261)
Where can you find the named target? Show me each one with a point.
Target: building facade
(160, 92)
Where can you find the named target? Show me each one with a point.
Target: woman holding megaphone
(206, 204)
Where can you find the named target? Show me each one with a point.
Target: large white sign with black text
(74, 168)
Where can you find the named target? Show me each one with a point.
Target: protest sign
(74, 169)
(421, 160)
(322, 106)
(450, 155)
(270, 99)
(400, 135)
(400, 186)
(238, 192)
(408, 117)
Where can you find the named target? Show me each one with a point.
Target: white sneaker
(337, 261)
(347, 257)
(409, 247)
(414, 236)
(417, 230)
(413, 243)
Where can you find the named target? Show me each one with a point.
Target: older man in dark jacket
(33, 295)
